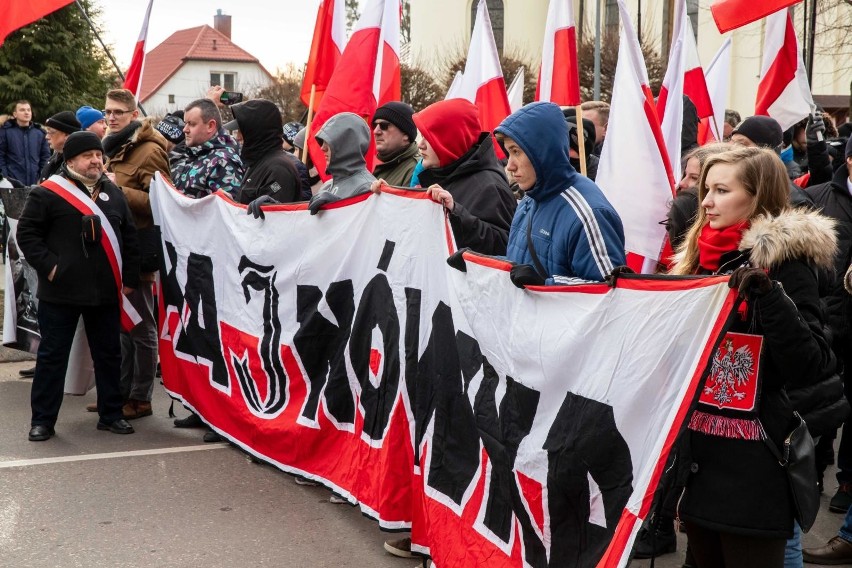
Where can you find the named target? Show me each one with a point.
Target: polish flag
(133, 77)
(783, 92)
(634, 171)
(717, 77)
(731, 14)
(326, 47)
(559, 76)
(15, 14)
(482, 81)
(455, 87)
(516, 90)
(367, 75)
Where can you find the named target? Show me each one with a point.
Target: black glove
(750, 281)
(254, 206)
(525, 275)
(612, 279)
(320, 199)
(456, 261)
(815, 131)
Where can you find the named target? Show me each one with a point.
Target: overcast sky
(277, 32)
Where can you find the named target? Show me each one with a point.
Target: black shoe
(662, 541)
(40, 433)
(191, 421)
(27, 373)
(842, 499)
(211, 437)
(120, 426)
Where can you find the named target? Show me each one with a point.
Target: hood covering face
(542, 133)
(260, 123)
(349, 138)
(450, 127)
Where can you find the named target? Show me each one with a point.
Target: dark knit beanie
(399, 114)
(64, 121)
(80, 142)
(849, 148)
(762, 130)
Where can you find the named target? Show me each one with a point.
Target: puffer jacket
(348, 137)
(201, 170)
(575, 231)
(735, 483)
(23, 151)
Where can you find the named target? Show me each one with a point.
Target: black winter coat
(52, 166)
(49, 234)
(484, 204)
(735, 484)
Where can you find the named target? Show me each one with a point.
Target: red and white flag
(634, 171)
(133, 77)
(326, 48)
(732, 14)
(516, 90)
(559, 76)
(367, 75)
(15, 14)
(783, 92)
(455, 86)
(717, 77)
(482, 82)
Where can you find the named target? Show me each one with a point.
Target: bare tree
(419, 88)
(284, 92)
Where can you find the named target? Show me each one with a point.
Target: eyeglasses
(382, 125)
(116, 113)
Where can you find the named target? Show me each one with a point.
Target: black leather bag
(797, 457)
(150, 248)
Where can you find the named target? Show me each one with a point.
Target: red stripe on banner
(577, 288)
(488, 261)
(667, 285)
(618, 545)
(405, 192)
(780, 74)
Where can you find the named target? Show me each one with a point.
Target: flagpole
(597, 83)
(103, 45)
(308, 125)
(581, 142)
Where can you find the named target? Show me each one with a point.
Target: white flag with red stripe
(367, 75)
(718, 77)
(516, 90)
(634, 170)
(482, 82)
(783, 92)
(326, 48)
(455, 87)
(559, 76)
(133, 77)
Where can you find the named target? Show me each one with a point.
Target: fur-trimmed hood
(794, 233)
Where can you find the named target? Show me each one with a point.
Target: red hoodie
(450, 127)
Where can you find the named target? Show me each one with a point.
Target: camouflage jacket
(201, 170)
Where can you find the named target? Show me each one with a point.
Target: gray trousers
(139, 348)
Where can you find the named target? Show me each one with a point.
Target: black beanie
(65, 121)
(588, 132)
(80, 142)
(849, 148)
(762, 130)
(399, 114)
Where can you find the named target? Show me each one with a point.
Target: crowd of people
(771, 209)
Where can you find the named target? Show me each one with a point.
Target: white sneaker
(301, 480)
(337, 499)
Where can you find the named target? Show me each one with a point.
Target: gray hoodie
(349, 137)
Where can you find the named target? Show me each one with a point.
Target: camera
(230, 98)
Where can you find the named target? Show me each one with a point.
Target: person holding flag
(77, 232)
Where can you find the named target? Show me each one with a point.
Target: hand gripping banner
(504, 427)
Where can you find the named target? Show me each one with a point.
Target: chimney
(222, 23)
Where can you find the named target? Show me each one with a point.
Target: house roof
(201, 43)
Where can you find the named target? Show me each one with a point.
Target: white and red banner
(326, 47)
(133, 77)
(559, 75)
(783, 92)
(504, 427)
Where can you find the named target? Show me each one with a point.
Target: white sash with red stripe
(85, 205)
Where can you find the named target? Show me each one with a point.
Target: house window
(226, 80)
(495, 13)
(171, 99)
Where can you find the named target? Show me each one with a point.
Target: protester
(314, 181)
(291, 132)
(736, 505)
(136, 152)
(588, 143)
(269, 174)
(598, 113)
(92, 120)
(574, 231)
(23, 145)
(396, 143)
(209, 160)
(58, 127)
(833, 200)
(732, 119)
(171, 127)
(461, 171)
(76, 279)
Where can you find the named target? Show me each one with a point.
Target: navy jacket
(23, 151)
(575, 231)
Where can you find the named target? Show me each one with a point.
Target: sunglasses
(383, 126)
